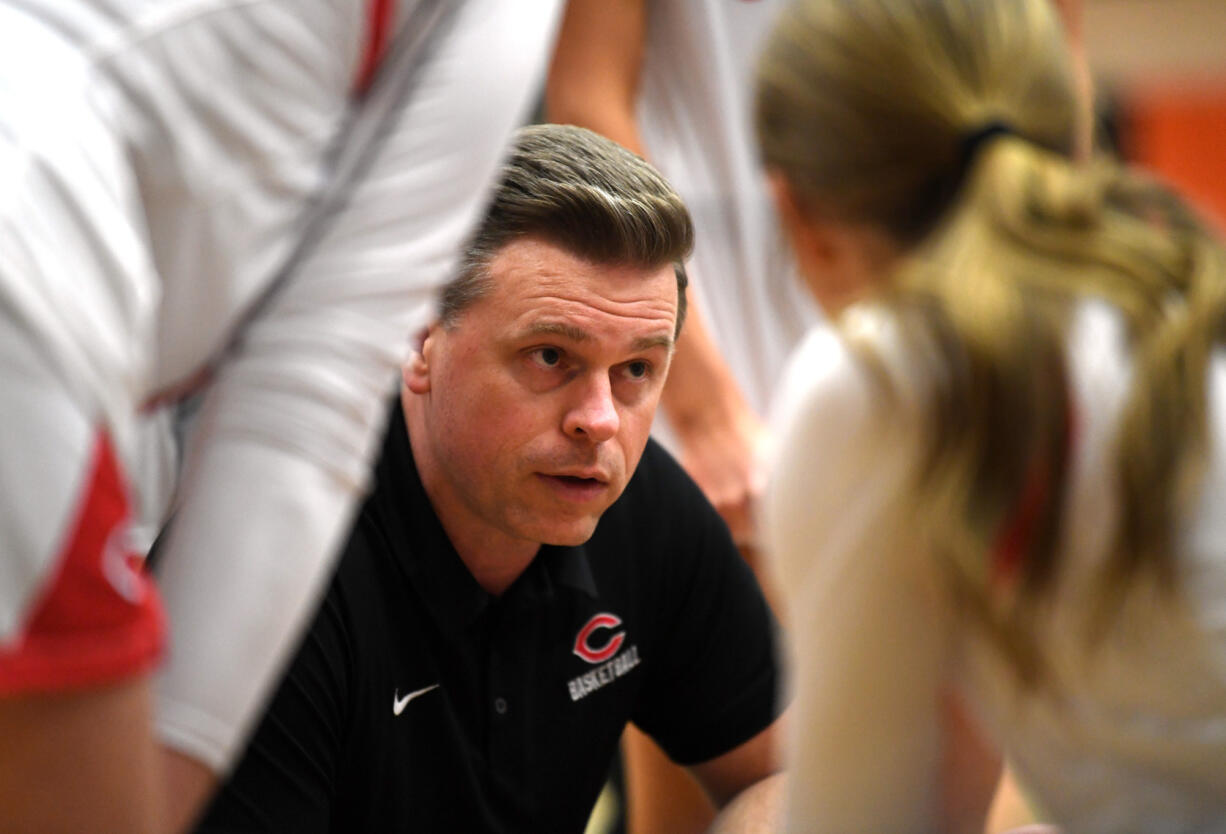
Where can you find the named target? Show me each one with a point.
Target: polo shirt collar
(569, 566)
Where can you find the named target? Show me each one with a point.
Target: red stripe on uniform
(379, 15)
(100, 619)
(1016, 536)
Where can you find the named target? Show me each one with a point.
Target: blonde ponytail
(868, 108)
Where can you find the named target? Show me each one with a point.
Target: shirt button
(500, 706)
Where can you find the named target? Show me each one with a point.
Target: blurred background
(1160, 70)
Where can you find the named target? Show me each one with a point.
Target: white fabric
(158, 162)
(694, 113)
(40, 482)
(1130, 737)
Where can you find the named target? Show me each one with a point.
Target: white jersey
(694, 113)
(191, 192)
(1131, 736)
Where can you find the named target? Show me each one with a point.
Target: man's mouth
(577, 487)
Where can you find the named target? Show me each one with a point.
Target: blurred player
(1004, 469)
(253, 200)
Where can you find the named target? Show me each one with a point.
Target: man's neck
(494, 565)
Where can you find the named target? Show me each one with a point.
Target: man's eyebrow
(578, 334)
(559, 328)
(649, 342)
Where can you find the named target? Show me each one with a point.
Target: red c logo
(590, 654)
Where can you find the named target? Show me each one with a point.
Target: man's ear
(416, 369)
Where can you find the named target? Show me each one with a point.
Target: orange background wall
(1179, 131)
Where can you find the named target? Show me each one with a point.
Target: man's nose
(593, 416)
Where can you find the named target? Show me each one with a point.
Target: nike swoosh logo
(398, 703)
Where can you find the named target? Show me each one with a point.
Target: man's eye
(549, 357)
(638, 370)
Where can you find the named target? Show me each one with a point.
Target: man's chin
(571, 541)
(571, 535)
(557, 524)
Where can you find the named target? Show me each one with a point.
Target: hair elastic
(974, 141)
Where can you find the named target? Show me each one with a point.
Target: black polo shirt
(419, 702)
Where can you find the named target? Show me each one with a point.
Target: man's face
(535, 405)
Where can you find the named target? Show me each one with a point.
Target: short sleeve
(714, 680)
(97, 619)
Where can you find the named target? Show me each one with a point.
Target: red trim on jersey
(1016, 535)
(99, 619)
(379, 14)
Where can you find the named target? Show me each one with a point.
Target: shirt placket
(512, 668)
